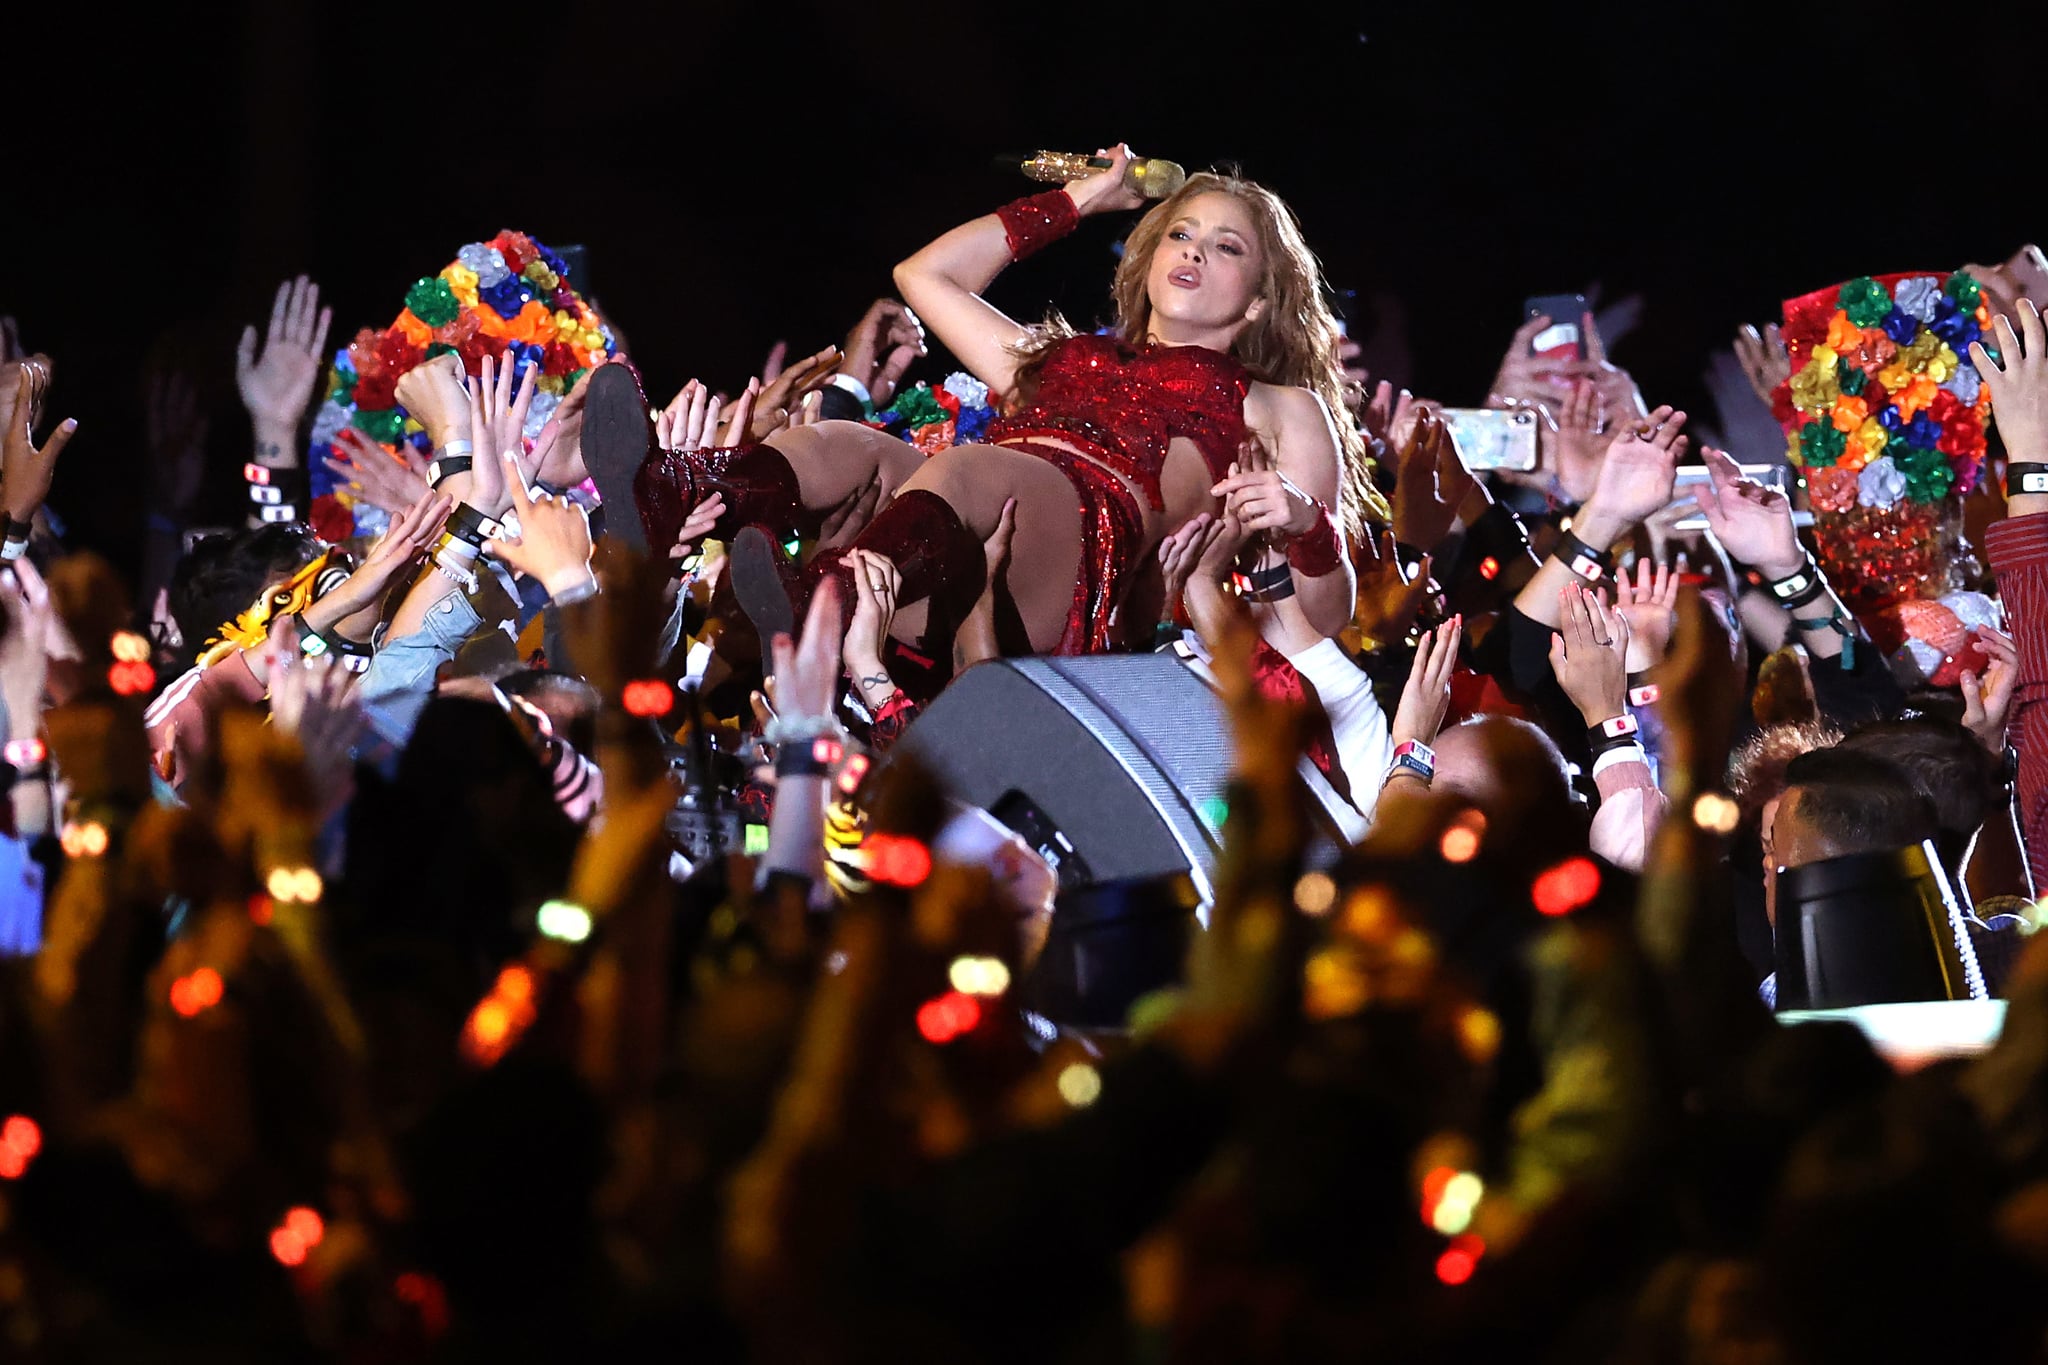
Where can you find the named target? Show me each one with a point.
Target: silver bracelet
(785, 729)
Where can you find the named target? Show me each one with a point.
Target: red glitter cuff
(1317, 551)
(1033, 223)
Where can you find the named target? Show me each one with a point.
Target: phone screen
(1564, 338)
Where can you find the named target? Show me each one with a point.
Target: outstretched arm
(943, 282)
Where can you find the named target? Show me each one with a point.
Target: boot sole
(756, 574)
(615, 445)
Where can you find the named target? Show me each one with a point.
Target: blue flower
(507, 296)
(1888, 418)
(1954, 326)
(1923, 431)
(971, 423)
(1901, 327)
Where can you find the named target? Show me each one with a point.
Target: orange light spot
(1489, 568)
(1460, 845)
(850, 776)
(21, 1136)
(491, 1023)
(515, 984)
(182, 999)
(305, 1225)
(286, 1246)
(261, 908)
(206, 988)
(1433, 1188)
(1564, 888)
(12, 1164)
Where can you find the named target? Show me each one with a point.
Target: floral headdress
(1885, 418)
(509, 298)
(1883, 403)
(957, 413)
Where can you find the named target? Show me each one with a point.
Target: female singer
(1219, 385)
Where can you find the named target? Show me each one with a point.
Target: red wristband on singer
(1318, 550)
(1036, 222)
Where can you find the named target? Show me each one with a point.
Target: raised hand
(1579, 444)
(563, 466)
(24, 647)
(875, 585)
(394, 484)
(1636, 476)
(1183, 549)
(1389, 415)
(553, 544)
(1987, 699)
(690, 419)
(436, 395)
(2019, 392)
(807, 671)
(277, 387)
(1588, 653)
(320, 706)
(882, 346)
(1645, 604)
(1388, 603)
(1261, 498)
(702, 518)
(1426, 697)
(26, 469)
(1752, 522)
(776, 397)
(735, 425)
(350, 608)
(1765, 361)
(1105, 191)
(497, 417)
(1431, 485)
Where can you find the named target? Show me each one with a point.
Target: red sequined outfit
(1115, 411)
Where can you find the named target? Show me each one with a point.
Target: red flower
(376, 392)
(517, 249)
(558, 359)
(330, 520)
(398, 354)
(1944, 408)
(1783, 408)
(1963, 435)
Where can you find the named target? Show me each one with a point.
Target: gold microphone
(1150, 177)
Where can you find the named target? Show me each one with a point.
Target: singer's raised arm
(943, 282)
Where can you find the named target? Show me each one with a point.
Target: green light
(792, 547)
(564, 920)
(757, 840)
(1215, 810)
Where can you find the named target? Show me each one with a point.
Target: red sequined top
(1124, 407)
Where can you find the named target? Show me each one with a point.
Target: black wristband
(465, 523)
(1271, 585)
(1797, 589)
(2024, 477)
(1582, 559)
(1616, 733)
(446, 468)
(815, 757)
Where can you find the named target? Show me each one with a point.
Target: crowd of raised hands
(358, 1002)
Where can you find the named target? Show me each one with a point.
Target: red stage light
(1489, 568)
(1564, 888)
(897, 860)
(21, 1136)
(288, 1249)
(1455, 1267)
(305, 1225)
(647, 698)
(131, 677)
(944, 1018)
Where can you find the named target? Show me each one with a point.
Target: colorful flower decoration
(509, 298)
(956, 413)
(1881, 371)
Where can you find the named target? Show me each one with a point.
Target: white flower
(971, 392)
(1880, 484)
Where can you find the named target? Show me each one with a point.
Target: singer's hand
(1105, 191)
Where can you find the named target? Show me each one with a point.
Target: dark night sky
(741, 173)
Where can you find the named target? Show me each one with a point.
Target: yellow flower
(1894, 376)
(1815, 388)
(1942, 365)
(1874, 437)
(1793, 456)
(1923, 349)
(460, 277)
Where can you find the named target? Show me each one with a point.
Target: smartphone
(1692, 477)
(1564, 338)
(1492, 438)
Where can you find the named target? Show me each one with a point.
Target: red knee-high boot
(939, 561)
(662, 486)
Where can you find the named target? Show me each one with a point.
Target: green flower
(1820, 444)
(1864, 300)
(918, 408)
(433, 302)
(1929, 476)
(1964, 289)
(1849, 378)
(385, 425)
(439, 348)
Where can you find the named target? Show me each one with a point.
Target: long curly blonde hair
(1292, 342)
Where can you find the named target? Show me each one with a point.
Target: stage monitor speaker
(1112, 765)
